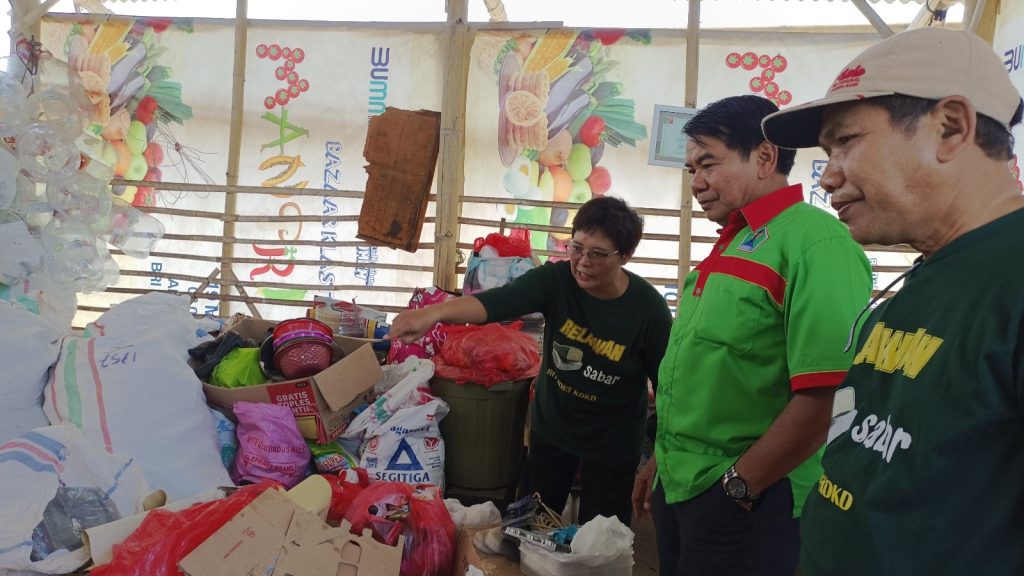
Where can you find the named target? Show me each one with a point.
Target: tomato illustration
(592, 131)
(749, 61)
(732, 60)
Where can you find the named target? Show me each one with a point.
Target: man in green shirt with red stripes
(754, 356)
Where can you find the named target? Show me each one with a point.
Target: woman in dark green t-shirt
(605, 333)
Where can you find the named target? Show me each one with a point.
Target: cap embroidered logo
(848, 78)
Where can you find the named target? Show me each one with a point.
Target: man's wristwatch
(736, 487)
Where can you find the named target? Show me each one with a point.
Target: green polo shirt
(766, 314)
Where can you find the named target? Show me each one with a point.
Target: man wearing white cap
(924, 464)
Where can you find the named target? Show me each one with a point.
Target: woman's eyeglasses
(576, 252)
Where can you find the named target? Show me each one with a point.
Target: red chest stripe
(746, 270)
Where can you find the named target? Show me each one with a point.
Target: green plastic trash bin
(483, 432)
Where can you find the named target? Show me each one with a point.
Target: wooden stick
(235, 141)
(690, 101)
(245, 295)
(452, 178)
(324, 262)
(272, 242)
(205, 284)
(280, 285)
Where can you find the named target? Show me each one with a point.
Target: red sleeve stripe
(755, 273)
(816, 380)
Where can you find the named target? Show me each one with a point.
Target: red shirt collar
(761, 211)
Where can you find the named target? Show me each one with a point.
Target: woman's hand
(411, 325)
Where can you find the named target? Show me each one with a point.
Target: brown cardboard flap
(273, 535)
(345, 381)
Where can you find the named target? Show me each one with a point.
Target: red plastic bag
(487, 355)
(345, 488)
(164, 538)
(391, 509)
(517, 243)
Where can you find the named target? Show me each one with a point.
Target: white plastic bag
(405, 384)
(56, 484)
(601, 547)
(29, 345)
(408, 446)
(129, 387)
(475, 516)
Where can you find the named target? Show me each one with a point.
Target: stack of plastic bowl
(302, 347)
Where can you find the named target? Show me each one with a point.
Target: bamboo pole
(876, 21)
(235, 141)
(984, 22)
(690, 101)
(452, 176)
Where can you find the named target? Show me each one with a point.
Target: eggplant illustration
(563, 117)
(562, 89)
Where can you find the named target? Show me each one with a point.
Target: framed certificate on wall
(668, 142)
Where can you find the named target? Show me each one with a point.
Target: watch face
(736, 488)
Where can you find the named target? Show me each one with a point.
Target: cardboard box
(274, 536)
(322, 403)
(401, 148)
(466, 555)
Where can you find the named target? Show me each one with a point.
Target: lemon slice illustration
(523, 108)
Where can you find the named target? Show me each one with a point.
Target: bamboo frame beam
(690, 101)
(452, 178)
(876, 21)
(235, 139)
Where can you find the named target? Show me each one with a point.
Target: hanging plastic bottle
(22, 254)
(110, 273)
(46, 153)
(72, 255)
(130, 229)
(13, 118)
(30, 203)
(79, 197)
(9, 169)
(56, 109)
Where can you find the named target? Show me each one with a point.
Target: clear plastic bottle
(13, 118)
(72, 254)
(46, 153)
(9, 169)
(79, 196)
(130, 229)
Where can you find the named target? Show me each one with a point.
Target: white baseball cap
(930, 63)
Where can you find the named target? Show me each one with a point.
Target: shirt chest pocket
(733, 313)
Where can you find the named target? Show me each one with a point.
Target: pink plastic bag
(391, 509)
(270, 446)
(431, 342)
(487, 355)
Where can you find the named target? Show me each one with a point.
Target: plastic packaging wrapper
(164, 537)
(487, 355)
(331, 458)
(391, 509)
(270, 446)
